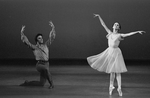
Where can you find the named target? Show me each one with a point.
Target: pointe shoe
(119, 91)
(111, 89)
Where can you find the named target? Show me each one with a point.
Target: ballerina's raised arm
(102, 23)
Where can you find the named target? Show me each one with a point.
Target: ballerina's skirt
(110, 60)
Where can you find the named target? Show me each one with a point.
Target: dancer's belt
(42, 61)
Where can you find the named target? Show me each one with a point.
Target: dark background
(79, 35)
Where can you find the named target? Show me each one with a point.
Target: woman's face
(116, 26)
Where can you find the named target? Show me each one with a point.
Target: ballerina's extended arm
(132, 33)
(102, 23)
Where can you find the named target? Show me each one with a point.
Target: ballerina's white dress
(110, 60)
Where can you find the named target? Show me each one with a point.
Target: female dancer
(111, 60)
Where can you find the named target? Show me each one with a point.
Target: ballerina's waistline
(113, 47)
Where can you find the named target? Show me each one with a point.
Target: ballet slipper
(51, 86)
(25, 83)
(111, 89)
(119, 91)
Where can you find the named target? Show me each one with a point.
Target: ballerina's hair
(119, 26)
(117, 23)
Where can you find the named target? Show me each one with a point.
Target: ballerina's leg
(111, 87)
(119, 83)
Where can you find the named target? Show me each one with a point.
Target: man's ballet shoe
(24, 84)
(51, 86)
(111, 89)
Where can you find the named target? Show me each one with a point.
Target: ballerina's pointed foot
(111, 89)
(120, 92)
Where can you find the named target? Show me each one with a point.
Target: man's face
(40, 39)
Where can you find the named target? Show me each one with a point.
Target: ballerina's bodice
(114, 40)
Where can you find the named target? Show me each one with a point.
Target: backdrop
(79, 34)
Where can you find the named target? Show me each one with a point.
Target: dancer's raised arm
(132, 33)
(102, 23)
(22, 30)
(25, 39)
(52, 34)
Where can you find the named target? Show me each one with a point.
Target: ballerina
(111, 60)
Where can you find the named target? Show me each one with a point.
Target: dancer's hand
(141, 32)
(96, 15)
(51, 24)
(22, 30)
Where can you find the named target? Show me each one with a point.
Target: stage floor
(74, 81)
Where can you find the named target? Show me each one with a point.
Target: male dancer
(41, 52)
